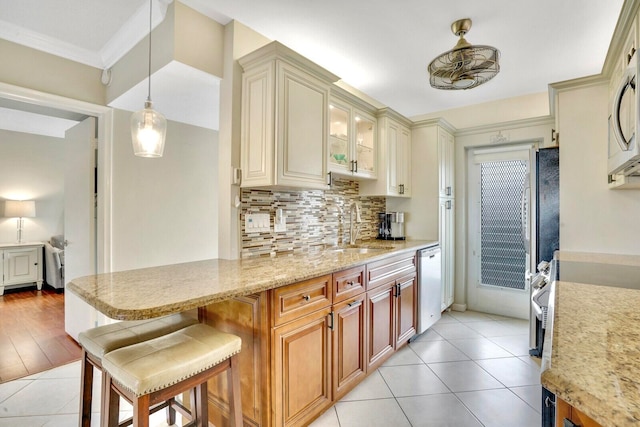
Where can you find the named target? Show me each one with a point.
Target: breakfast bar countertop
(157, 291)
(591, 356)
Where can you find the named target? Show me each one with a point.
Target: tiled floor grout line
(448, 388)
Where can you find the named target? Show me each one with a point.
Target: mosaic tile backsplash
(314, 217)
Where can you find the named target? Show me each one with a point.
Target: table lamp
(20, 209)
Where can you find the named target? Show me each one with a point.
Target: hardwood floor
(32, 336)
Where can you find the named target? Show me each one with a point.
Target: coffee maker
(391, 226)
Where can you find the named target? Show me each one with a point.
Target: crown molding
(51, 45)
(625, 20)
(439, 121)
(135, 29)
(132, 31)
(514, 124)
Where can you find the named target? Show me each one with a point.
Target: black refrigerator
(547, 203)
(547, 242)
(547, 232)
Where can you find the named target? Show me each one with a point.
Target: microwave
(624, 123)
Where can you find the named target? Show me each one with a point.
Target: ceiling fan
(465, 66)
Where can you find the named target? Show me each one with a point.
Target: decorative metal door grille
(503, 257)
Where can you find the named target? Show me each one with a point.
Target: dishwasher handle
(429, 252)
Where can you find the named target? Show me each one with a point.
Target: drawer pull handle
(355, 303)
(306, 297)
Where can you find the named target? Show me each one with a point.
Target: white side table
(21, 265)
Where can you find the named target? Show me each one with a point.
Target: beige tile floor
(470, 369)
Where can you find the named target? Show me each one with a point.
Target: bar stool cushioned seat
(98, 341)
(103, 339)
(174, 363)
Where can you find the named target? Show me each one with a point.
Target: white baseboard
(459, 307)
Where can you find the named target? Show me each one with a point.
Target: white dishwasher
(429, 287)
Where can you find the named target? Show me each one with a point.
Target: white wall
(592, 217)
(164, 210)
(31, 167)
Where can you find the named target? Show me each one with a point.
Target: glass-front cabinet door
(339, 136)
(352, 141)
(365, 144)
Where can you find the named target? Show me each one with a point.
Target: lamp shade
(148, 131)
(19, 209)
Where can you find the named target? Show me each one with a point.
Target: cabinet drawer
(292, 301)
(348, 283)
(382, 271)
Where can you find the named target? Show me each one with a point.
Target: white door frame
(104, 116)
(501, 301)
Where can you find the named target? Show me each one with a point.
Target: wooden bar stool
(98, 341)
(154, 371)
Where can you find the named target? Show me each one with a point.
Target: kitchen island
(591, 358)
(158, 291)
(312, 324)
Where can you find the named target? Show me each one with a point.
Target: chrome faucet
(354, 229)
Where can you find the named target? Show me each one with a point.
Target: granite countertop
(591, 358)
(157, 291)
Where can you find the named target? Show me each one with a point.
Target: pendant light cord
(150, 15)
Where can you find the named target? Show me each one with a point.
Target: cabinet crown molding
(276, 50)
(388, 112)
(439, 121)
(625, 21)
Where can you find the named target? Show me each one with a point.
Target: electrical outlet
(256, 223)
(280, 228)
(280, 222)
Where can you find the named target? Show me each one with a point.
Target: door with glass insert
(364, 146)
(499, 230)
(339, 135)
(352, 141)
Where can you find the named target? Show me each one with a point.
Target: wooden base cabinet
(348, 330)
(392, 295)
(302, 369)
(246, 317)
(380, 303)
(349, 367)
(564, 411)
(406, 299)
(306, 345)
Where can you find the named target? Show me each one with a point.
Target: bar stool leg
(235, 405)
(201, 411)
(141, 411)
(110, 410)
(171, 413)
(86, 377)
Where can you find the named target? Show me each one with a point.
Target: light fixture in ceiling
(465, 66)
(148, 127)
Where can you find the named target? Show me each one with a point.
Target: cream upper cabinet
(353, 148)
(446, 161)
(394, 161)
(284, 126)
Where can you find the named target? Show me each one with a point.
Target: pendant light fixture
(148, 127)
(465, 66)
